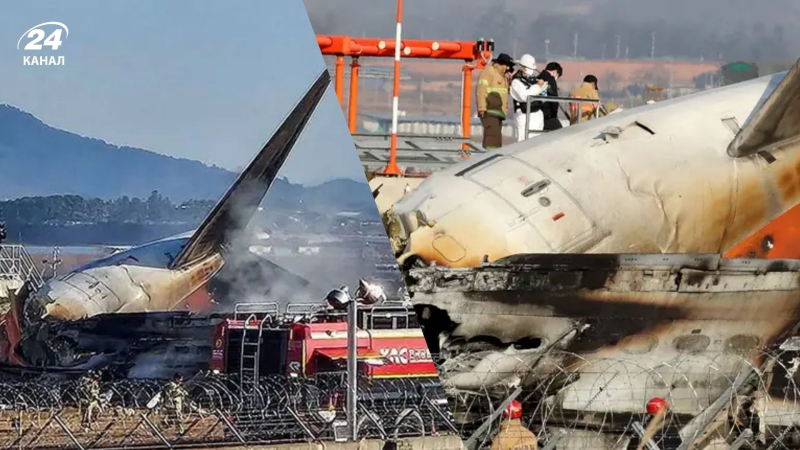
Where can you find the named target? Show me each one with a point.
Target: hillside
(327, 198)
(37, 159)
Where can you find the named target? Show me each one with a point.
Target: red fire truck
(307, 340)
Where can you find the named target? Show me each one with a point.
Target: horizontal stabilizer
(776, 122)
(236, 208)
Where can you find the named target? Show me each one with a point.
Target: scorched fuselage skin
(611, 333)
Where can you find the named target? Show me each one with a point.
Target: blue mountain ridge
(39, 160)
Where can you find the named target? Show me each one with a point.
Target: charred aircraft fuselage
(138, 280)
(133, 345)
(702, 173)
(716, 172)
(606, 333)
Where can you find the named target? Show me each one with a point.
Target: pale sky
(205, 80)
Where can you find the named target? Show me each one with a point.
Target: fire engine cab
(306, 340)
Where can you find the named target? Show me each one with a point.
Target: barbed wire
(596, 400)
(219, 409)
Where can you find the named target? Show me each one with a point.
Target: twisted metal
(218, 410)
(592, 401)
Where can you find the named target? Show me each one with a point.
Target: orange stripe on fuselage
(779, 239)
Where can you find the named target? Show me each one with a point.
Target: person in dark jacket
(550, 75)
(492, 97)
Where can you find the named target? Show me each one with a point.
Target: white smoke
(249, 278)
(165, 361)
(298, 261)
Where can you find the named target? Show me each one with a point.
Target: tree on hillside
(74, 209)
(159, 208)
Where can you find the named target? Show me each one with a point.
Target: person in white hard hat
(523, 85)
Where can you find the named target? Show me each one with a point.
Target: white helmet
(527, 62)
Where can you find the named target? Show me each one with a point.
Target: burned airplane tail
(234, 211)
(776, 123)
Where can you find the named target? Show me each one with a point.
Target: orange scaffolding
(476, 55)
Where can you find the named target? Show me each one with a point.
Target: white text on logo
(405, 355)
(38, 39)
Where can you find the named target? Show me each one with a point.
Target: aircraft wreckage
(593, 271)
(591, 339)
(713, 172)
(43, 326)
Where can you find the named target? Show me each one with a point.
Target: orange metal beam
(420, 52)
(339, 79)
(384, 48)
(446, 46)
(476, 55)
(352, 109)
(466, 107)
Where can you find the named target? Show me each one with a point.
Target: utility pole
(619, 39)
(56, 261)
(513, 37)
(575, 46)
(352, 368)
(392, 168)
(547, 49)
(421, 94)
(653, 47)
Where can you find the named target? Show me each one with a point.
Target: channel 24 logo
(41, 37)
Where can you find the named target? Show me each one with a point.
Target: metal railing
(568, 100)
(16, 264)
(261, 310)
(422, 152)
(398, 314)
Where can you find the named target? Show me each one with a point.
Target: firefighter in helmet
(513, 435)
(89, 392)
(176, 394)
(492, 96)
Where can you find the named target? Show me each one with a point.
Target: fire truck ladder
(250, 355)
(251, 351)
